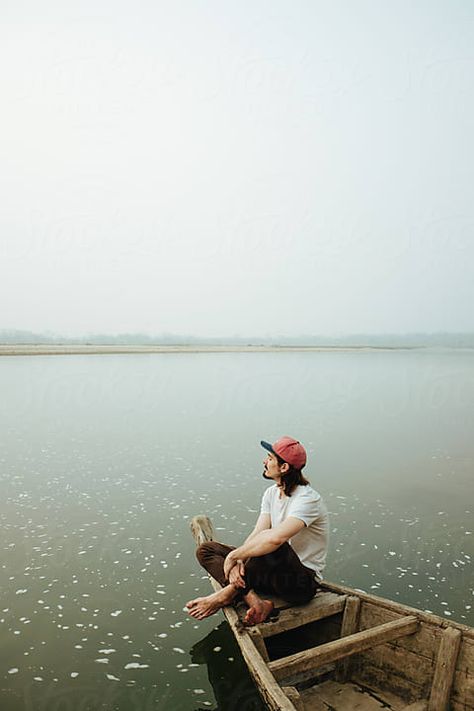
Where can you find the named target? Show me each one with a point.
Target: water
(104, 460)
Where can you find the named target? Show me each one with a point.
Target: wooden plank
(383, 681)
(463, 689)
(294, 696)
(425, 642)
(465, 662)
(417, 706)
(202, 529)
(323, 605)
(468, 632)
(310, 677)
(311, 700)
(445, 667)
(270, 691)
(332, 651)
(460, 705)
(259, 642)
(332, 695)
(350, 622)
(401, 662)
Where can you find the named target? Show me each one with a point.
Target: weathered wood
(468, 632)
(465, 662)
(344, 697)
(424, 643)
(417, 706)
(259, 642)
(202, 529)
(459, 706)
(390, 668)
(310, 677)
(463, 689)
(332, 651)
(401, 662)
(311, 700)
(445, 667)
(350, 622)
(270, 691)
(323, 605)
(383, 681)
(294, 696)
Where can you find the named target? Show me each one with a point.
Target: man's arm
(264, 522)
(263, 542)
(236, 575)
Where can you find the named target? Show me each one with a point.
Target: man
(285, 553)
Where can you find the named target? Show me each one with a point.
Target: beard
(264, 474)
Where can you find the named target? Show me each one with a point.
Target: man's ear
(284, 468)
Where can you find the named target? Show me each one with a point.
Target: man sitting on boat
(285, 553)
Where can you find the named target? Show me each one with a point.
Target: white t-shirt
(311, 543)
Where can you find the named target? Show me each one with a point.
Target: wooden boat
(347, 650)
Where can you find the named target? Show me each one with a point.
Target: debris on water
(136, 665)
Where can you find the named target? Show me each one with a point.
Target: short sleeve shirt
(306, 504)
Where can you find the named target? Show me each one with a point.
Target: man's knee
(205, 551)
(202, 552)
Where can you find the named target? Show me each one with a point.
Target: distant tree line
(387, 340)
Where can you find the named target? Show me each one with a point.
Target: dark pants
(279, 573)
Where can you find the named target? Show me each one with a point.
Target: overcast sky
(245, 167)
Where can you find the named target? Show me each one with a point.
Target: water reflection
(227, 672)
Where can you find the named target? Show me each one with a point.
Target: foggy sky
(237, 167)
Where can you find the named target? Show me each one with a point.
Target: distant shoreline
(64, 349)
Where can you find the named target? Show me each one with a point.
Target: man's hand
(230, 563)
(236, 574)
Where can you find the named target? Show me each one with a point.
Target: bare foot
(203, 607)
(258, 612)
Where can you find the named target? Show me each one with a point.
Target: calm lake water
(105, 459)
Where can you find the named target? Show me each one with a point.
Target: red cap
(289, 449)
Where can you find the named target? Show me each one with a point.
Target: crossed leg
(211, 557)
